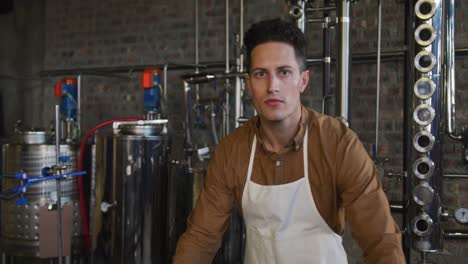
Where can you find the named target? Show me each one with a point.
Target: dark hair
(276, 30)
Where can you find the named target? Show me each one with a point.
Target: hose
(84, 216)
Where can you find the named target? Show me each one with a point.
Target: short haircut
(276, 30)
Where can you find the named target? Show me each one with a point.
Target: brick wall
(85, 34)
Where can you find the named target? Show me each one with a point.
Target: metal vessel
(25, 228)
(129, 209)
(425, 119)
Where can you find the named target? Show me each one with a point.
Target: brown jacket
(343, 179)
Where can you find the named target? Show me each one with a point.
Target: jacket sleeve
(208, 220)
(366, 206)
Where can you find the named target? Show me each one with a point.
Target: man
(294, 174)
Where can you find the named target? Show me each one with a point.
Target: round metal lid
(141, 130)
(31, 137)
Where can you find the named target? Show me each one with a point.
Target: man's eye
(259, 74)
(284, 72)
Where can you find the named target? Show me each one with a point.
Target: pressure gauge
(461, 215)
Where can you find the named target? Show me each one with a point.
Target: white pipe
(302, 20)
(165, 85)
(238, 102)
(450, 72)
(213, 124)
(377, 108)
(241, 30)
(342, 82)
(227, 106)
(78, 107)
(240, 67)
(196, 35)
(227, 36)
(197, 92)
(59, 203)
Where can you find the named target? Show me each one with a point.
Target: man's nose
(273, 83)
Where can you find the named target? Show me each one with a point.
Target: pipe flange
(425, 34)
(425, 9)
(296, 12)
(423, 168)
(424, 88)
(423, 141)
(423, 193)
(422, 225)
(423, 114)
(424, 61)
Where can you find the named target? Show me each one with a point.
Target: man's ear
(305, 75)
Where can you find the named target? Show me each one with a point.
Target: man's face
(276, 82)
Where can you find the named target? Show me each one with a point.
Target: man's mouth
(273, 102)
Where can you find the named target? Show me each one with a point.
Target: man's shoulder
(326, 125)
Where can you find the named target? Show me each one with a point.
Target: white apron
(283, 224)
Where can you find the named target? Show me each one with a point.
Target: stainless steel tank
(24, 230)
(129, 223)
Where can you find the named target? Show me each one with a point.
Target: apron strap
(252, 157)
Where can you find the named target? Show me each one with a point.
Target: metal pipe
(315, 20)
(297, 12)
(449, 234)
(57, 133)
(238, 99)
(197, 93)
(301, 22)
(395, 174)
(327, 8)
(241, 30)
(459, 176)
(226, 110)
(326, 62)
(426, 62)
(59, 204)
(342, 83)
(240, 68)
(208, 77)
(213, 124)
(176, 66)
(188, 114)
(314, 60)
(424, 257)
(377, 99)
(397, 208)
(227, 36)
(450, 72)
(78, 107)
(358, 57)
(126, 69)
(196, 35)
(227, 83)
(165, 83)
(188, 124)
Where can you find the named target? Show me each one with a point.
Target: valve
(105, 206)
(52, 173)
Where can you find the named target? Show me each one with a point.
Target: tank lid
(141, 130)
(31, 137)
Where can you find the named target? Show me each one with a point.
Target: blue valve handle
(28, 181)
